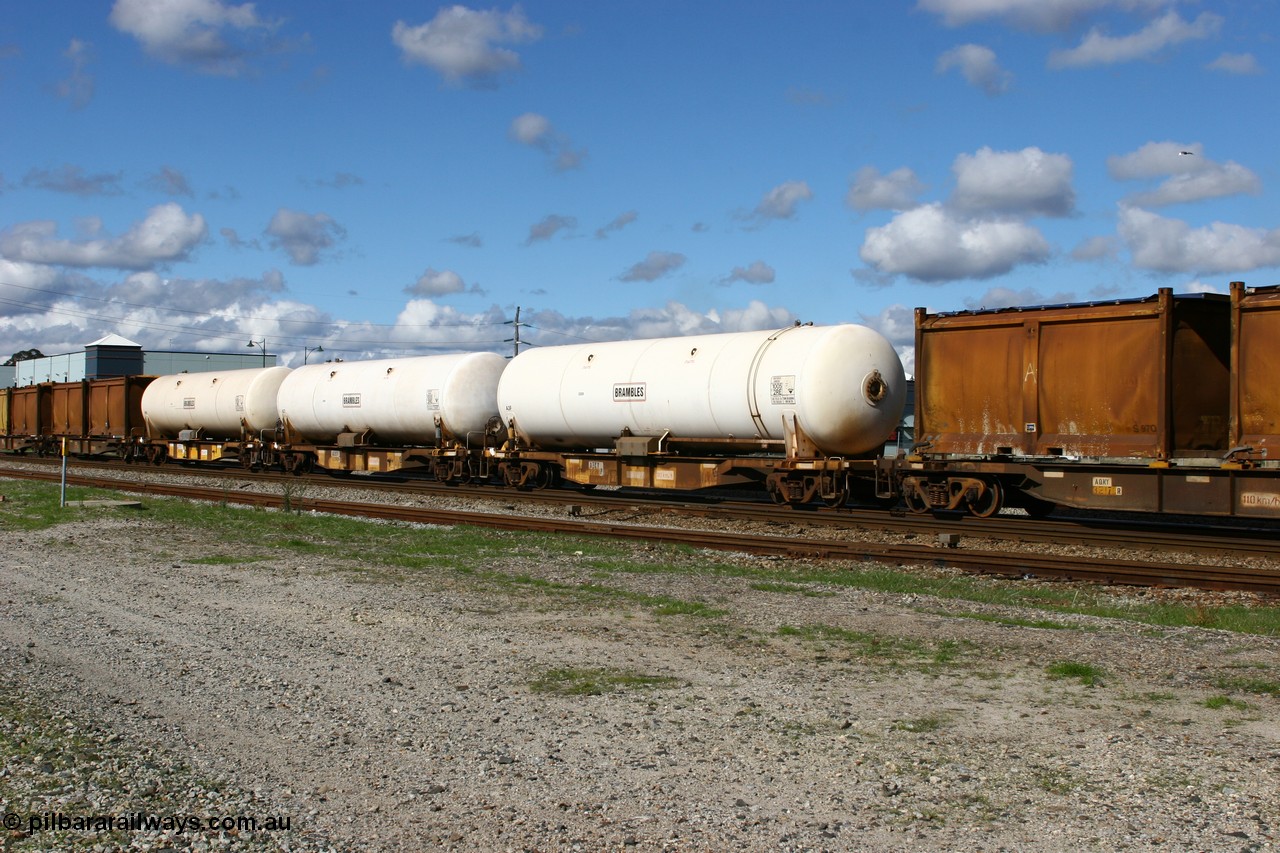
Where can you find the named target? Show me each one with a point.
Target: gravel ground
(540, 703)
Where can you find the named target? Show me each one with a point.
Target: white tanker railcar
(391, 413)
(843, 386)
(706, 410)
(205, 416)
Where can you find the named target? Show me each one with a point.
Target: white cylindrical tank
(220, 403)
(844, 386)
(399, 400)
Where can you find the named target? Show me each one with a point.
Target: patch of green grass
(1240, 684)
(222, 560)
(1047, 624)
(32, 505)
(898, 651)
(782, 586)
(1159, 697)
(1055, 781)
(1088, 674)
(572, 681)
(1074, 599)
(1218, 702)
(392, 551)
(676, 607)
(920, 725)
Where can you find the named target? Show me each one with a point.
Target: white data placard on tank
(399, 400)
(217, 402)
(843, 384)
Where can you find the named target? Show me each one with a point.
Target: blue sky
(392, 178)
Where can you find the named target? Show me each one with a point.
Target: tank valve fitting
(874, 387)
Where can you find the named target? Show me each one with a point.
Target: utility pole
(516, 340)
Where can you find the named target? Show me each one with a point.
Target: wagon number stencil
(782, 390)
(1103, 486)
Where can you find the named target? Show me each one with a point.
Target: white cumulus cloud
(437, 283)
(1173, 246)
(1097, 48)
(536, 131)
(464, 45)
(781, 202)
(932, 244)
(304, 235)
(757, 272)
(1038, 15)
(870, 190)
(979, 67)
(654, 266)
(1027, 182)
(209, 35)
(1189, 175)
(1236, 63)
(167, 234)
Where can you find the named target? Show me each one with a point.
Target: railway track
(1092, 567)
(1248, 540)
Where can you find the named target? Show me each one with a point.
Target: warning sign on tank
(433, 399)
(782, 390)
(629, 392)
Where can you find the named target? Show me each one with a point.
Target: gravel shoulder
(549, 704)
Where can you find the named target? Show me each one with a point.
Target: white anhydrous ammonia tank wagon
(398, 401)
(221, 404)
(843, 386)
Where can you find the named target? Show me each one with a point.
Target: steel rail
(1155, 535)
(1017, 564)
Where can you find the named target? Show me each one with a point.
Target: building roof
(113, 341)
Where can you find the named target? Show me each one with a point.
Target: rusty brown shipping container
(29, 410)
(69, 409)
(1255, 372)
(1145, 378)
(115, 406)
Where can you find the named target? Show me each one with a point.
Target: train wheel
(545, 477)
(990, 502)
(915, 501)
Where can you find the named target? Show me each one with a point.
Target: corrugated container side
(964, 373)
(30, 411)
(115, 405)
(1141, 378)
(6, 400)
(70, 405)
(1255, 388)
